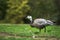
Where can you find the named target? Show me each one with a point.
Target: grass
(26, 30)
(18, 29)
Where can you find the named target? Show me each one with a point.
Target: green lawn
(26, 30)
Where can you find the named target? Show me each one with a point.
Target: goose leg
(39, 30)
(45, 29)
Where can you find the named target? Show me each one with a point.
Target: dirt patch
(6, 34)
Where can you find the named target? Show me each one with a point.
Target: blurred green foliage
(17, 10)
(3, 8)
(57, 3)
(13, 11)
(43, 9)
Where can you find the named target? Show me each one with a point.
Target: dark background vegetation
(14, 11)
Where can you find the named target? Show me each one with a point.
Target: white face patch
(29, 17)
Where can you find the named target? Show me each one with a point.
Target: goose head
(29, 18)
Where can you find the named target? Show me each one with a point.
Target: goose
(39, 23)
